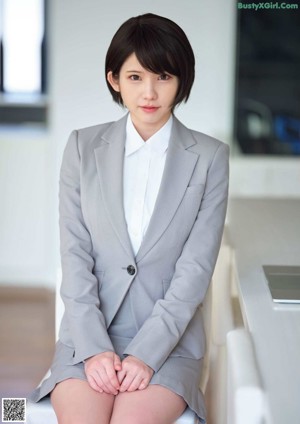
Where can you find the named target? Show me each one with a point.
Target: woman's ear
(113, 81)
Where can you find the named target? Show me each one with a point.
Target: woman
(142, 208)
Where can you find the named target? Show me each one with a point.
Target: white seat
(40, 413)
(43, 413)
(245, 396)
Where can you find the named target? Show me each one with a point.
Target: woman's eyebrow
(135, 71)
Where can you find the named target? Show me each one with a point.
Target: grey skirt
(179, 374)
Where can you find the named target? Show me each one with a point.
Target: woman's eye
(134, 77)
(164, 77)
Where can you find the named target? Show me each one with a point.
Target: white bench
(43, 413)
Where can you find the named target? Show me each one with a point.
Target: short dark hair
(160, 46)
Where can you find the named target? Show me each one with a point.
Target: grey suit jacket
(170, 274)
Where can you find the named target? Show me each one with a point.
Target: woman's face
(149, 97)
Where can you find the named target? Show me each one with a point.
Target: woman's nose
(149, 91)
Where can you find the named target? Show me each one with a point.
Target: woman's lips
(149, 109)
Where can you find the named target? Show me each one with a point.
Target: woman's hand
(135, 374)
(101, 371)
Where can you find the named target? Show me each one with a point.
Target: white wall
(264, 177)
(80, 32)
(26, 222)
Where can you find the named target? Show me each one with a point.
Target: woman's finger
(117, 363)
(109, 380)
(127, 382)
(121, 375)
(93, 384)
(144, 384)
(135, 384)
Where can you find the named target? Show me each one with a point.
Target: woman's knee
(75, 402)
(133, 417)
(154, 405)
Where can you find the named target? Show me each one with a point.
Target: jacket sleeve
(171, 315)
(79, 290)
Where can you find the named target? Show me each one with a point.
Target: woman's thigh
(75, 402)
(153, 405)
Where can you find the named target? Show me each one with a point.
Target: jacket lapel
(109, 159)
(179, 167)
(180, 164)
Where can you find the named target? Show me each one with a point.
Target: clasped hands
(107, 373)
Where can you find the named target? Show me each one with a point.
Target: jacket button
(131, 270)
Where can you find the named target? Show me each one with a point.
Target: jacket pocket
(195, 188)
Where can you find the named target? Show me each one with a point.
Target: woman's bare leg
(75, 402)
(153, 405)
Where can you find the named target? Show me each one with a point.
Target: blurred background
(246, 93)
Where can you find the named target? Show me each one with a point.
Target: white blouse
(143, 169)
